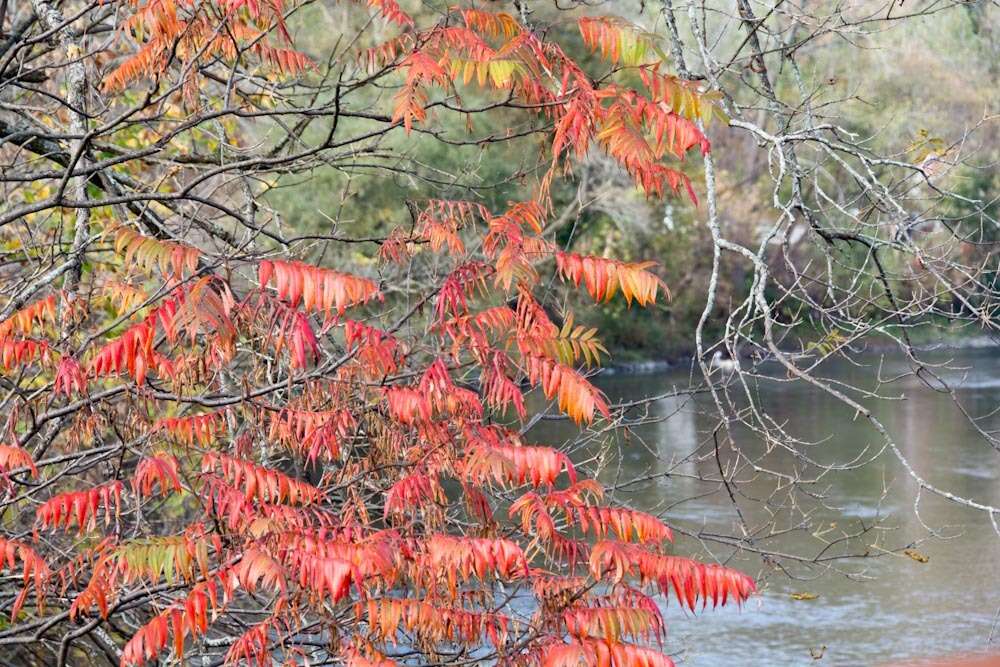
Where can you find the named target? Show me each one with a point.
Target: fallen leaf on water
(916, 555)
(804, 596)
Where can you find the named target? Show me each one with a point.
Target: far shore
(655, 364)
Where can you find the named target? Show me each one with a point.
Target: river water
(867, 611)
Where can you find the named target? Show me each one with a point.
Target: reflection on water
(893, 607)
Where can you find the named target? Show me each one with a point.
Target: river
(869, 611)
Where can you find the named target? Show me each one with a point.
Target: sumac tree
(220, 442)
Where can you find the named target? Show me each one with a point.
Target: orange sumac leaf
(576, 396)
(152, 638)
(378, 352)
(617, 40)
(302, 343)
(457, 211)
(81, 507)
(396, 248)
(534, 509)
(413, 492)
(253, 646)
(24, 321)
(507, 464)
(324, 576)
(441, 234)
(601, 653)
(624, 523)
(408, 405)
(241, 514)
(188, 618)
(391, 11)
(468, 557)
(499, 390)
(285, 60)
(613, 623)
(496, 320)
(202, 429)
(492, 24)
(411, 99)
(161, 469)
(34, 569)
(172, 557)
(205, 307)
(148, 253)
(373, 556)
(689, 579)
(284, 326)
(261, 483)
(681, 96)
(12, 457)
(257, 568)
(99, 590)
(604, 277)
(23, 351)
(70, 378)
(451, 299)
(356, 657)
(318, 289)
(133, 350)
(312, 432)
(433, 623)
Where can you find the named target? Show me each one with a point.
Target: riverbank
(649, 366)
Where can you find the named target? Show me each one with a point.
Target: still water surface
(903, 609)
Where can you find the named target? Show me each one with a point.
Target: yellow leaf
(804, 596)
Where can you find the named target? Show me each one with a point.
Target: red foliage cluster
(81, 507)
(344, 476)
